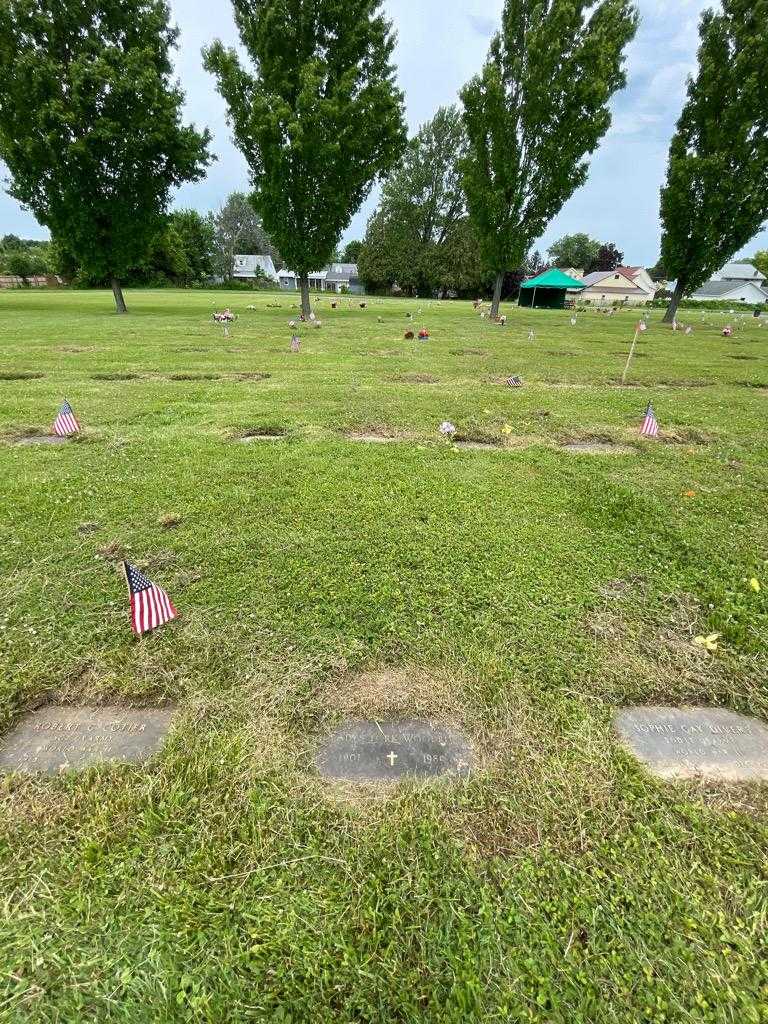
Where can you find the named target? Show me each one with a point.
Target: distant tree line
(92, 132)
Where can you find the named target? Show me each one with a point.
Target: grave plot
(55, 739)
(689, 743)
(255, 434)
(370, 751)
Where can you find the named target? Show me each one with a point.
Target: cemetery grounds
(521, 592)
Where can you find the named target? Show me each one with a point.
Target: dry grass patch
(415, 378)
(394, 693)
(579, 442)
(9, 376)
(685, 435)
(269, 432)
(194, 376)
(115, 376)
(651, 658)
(376, 433)
(115, 551)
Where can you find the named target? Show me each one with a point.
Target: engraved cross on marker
(391, 757)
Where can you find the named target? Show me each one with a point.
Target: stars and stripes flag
(66, 421)
(650, 427)
(514, 382)
(150, 605)
(295, 343)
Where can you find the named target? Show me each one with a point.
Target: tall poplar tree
(538, 108)
(90, 125)
(318, 118)
(716, 194)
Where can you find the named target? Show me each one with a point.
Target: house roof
(553, 278)
(739, 272)
(630, 272)
(602, 275)
(341, 271)
(722, 289)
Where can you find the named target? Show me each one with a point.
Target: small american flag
(650, 427)
(66, 422)
(295, 343)
(150, 605)
(514, 382)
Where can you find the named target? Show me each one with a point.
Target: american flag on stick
(514, 382)
(66, 421)
(295, 343)
(150, 605)
(650, 427)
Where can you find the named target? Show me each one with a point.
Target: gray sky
(441, 44)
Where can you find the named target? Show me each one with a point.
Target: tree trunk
(497, 294)
(306, 307)
(671, 314)
(117, 291)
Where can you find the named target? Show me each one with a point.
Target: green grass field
(522, 593)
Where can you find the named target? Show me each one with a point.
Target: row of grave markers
(673, 743)
(151, 606)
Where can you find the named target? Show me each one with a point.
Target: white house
(333, 278)
(290, 282)
(247, 267)
(624, 284)
(736, 283)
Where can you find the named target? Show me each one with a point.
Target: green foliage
(576, 251)
(238, 230)
(715, 198)
(607, 258)
(420, 237)
(351, 251)
(195, 235)
(534, 113)
(318, 118)
(90, 124)
(760, 260)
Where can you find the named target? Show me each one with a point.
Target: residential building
(604, 288)
(246, 267)
(337, 277)
(739, 283)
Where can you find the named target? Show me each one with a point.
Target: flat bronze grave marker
(55, 739)
(42, 439)
(685, 743)
(390, 751)
(597, 448)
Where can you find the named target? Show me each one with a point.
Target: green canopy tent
(548, 290)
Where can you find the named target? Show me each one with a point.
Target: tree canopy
(90, 125)
(351, 251)
(318, 118)
(577, 251)
(760, 260)
(420, 237)
(238, 229)
(535, 112)
(608, 257)
(716, 194)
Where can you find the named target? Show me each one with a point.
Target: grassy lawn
(521, 594)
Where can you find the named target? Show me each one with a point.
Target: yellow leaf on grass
(709, 643)
(506, 429)
(755, 584)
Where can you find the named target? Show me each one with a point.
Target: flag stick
(631, 353)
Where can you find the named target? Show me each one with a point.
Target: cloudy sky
(441, 44)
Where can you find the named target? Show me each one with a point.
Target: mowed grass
(522, 594)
